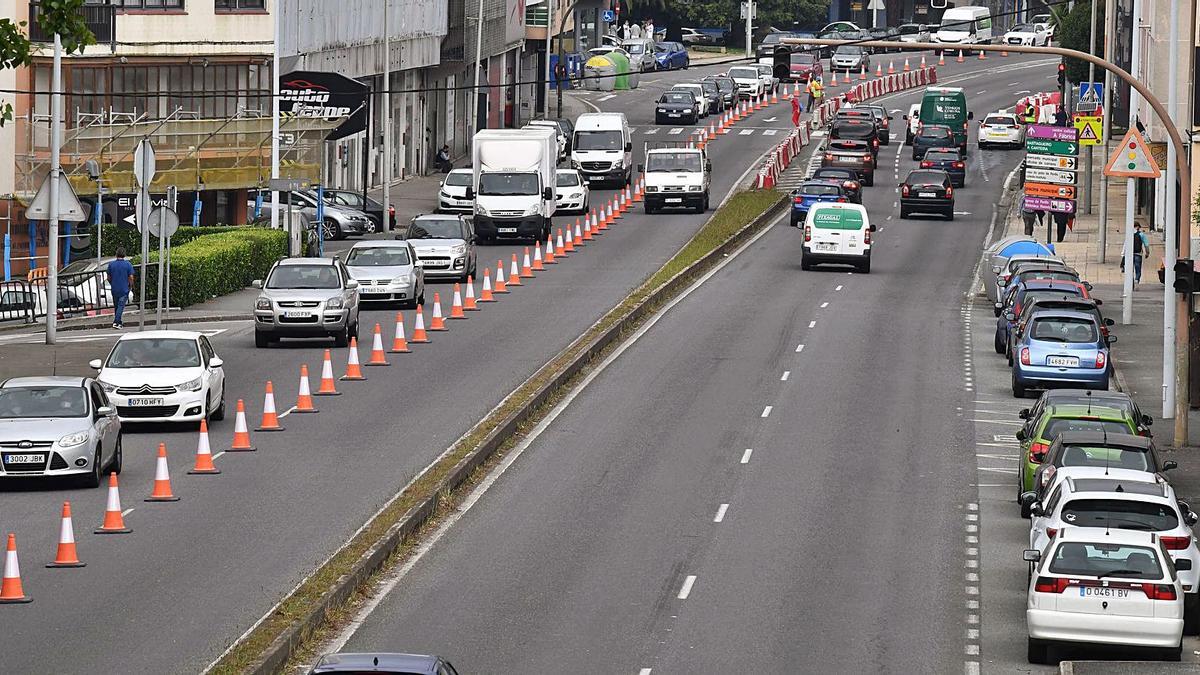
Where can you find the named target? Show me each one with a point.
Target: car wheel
(331, 230)
(92, 478)
(914, 156)
(118, 458)
(904, 213)
(649, 209)
(997, 344)
(804, 263)
(1018, 389)
(1191, 613)
(864, 267)
(342, 337)
(657, 119)
(1036, 652)
(260, 339)
(1173, 653)
(219, 413)
(950, 215)
(372, 226)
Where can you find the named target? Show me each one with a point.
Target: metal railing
(100, 19)
(85, 294)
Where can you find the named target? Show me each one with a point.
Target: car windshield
(839, 174)
(909, 28)
(155, 353)
(598, 140)
(1136, 459)
(77, 267)
(1065, 329)
(435, 228)
(1120, 513)
(567, 179)
(744, 73)
(458, 179)
(1049, 275)
(1096, 560)
(723, 84)
(820, 189)
(710, 86)
(303, 276)
(853, 129)
(1056, 426)
(926, 178)
(1024, 28)
(763, 69)
(803, 59)
(935, 132)
(672, 161)
(677, 97)
(378, 256)
(635, 47)
(999, 121)
(848, 50)
(25, 402)
(939, 155)
(508, 184)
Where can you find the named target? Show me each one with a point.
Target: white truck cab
(514, 183)
(602, 148)
(677, 176)
(965, 25)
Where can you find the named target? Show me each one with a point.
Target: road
(776, 477)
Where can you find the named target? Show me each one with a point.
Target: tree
(1074, 32)
(64, 17)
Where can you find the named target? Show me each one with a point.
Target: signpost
(1048, 190)
(163, 223)
(1052, 205)
(1050, 164)
(1050, 176)
(1043, 146)
(143, 173)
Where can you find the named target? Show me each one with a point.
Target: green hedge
(113, 236)
(217, 264)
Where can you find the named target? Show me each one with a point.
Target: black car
(849, 178)
(1096, 448)
(883, 121)
(948, 160)
(677, 105)
(857, 129)
(716, 97)
(568, 130)
(355, 200)
(853, 154)
(771, 44)
(932, 136)
(927, 191)
(727, 87)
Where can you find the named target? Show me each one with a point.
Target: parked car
(386, 271)
(1061, 349)
(1095, 448)
(913, 32)
(887, 35)
(1001, 128)
(351, 199)
(927, 191)
(339, 221)
(804, 65)
(692, 36)
(452, 192)
(573, 193)
(444, 244)
(304, 298)
(1031, 34)
(641, 54)
(671, 56)
(813, 191)
(163, 376)
(1026, 293)
(1053, 301)
(1006, 267)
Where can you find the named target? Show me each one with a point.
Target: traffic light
(1062, 77)
(1185, 276)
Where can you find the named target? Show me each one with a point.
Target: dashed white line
(839, 287)
(675, 131)
(745, 132)
(799, 348)
(746, 455)
(651, 132)
(824, 305)
(720, 513)
(785, 376)
(602, 99)
(767, 411)
(687, 587)
(645, 671)
(981, 91)
(812, 324)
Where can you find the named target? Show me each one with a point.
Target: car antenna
(1106, 448)
(1089, 400)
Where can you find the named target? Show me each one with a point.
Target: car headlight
(108, 388)
(532, 209)
(620, 163)
(693, 188)
(481, 209)
(191, 385)
(262, 303)
(71, 440)
(575, 163)
(403, 280)
(458, 249)
(662, 110)
(651, 188)
(334, 303)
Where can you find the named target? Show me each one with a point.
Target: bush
(1074, 32)
(217, 264)
(113, 236)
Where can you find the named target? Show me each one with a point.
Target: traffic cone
(419, 335)
(501, 287)
(907, 68)
(724, 126)
(1003, 52)
(114, 521)
(562, 251)
(834, 82)
(960, 58)
(537, 257)
(878, 69)
(353, 370)
(514, 273)
(570, 248)
(162, 479)
(241, 432)
(10, 589)
(550, 250)
(437, 321)
(456, 304)
(587, 228)
(270, 420)
(862, 72)
(469, 300)
(526, 267)
(304, 402)
(399, 344)
(204, 461)
(328, 386)
(922, 62)
(941, 58)
(774, 96)
(891, 67)
(486, 294)
(578, 234)
(378, 356)
(66, 555)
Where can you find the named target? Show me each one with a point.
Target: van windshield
(508, 184)
(673, 161)
(598, 140)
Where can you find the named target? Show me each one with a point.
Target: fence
(84, 294)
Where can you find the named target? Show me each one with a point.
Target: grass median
(397, 529)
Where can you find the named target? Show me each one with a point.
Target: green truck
(948, 106)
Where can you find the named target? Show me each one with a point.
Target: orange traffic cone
(526, 266)
(204, 460)
(960, 56)
(891, 68)
(922, 62)
(10, 589)
(907, 68)
(550, 250)
(587, 228)
(399, 344)
(66, 555)
(1003, 52)
(469, 300)
(114, 520)
(378, 356)
(774, 96)
(456, 305)
(941, 58)
(878, 70)
(570, 248)
(419, 335)
(304, 401)
(537, 257)
(862, 72)
(501, 287)
(982, 55)
(486, 294)
(270, 420)
(578, 234)
(437, 321)
(162, 479)
(241, 432)
(328, 385)
(834, 82)
(353, 368)
(514, 273)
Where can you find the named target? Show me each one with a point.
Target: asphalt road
(721, 498)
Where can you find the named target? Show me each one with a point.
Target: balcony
(100, 19)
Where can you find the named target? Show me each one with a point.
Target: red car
(803, 66)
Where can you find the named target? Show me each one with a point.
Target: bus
(948, 106)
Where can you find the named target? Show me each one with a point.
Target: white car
(573, 193)
(452, 193)
(1043, 19)
(1032, 34)
(1001, 128)
(698, 90)
(1104, 586)
(766, 73)
(562, 139)
(749, 83)
(913, 118)
(837, 233)
(163, 376)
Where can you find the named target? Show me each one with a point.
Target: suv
(306, 297)
(857, 129)
(676, 177)
(851, 154)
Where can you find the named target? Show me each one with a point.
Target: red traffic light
(1062, 67)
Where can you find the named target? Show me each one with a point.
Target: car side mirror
(95, 364)
(105, 411)
(1147, 420)
(215, 362)
(1170, 464)
(995, 269)
(708, 165)
(1023, 413)
(1112, 339)
(1031, 555)
(1191, 519)
(1009, 316)
(1035, 509)
(1028, 498)
(1109, 322)
(418, 263)
(1020, 434)
(629, 147)
(873, 227)
(257, 283)
(548, 193)
(1098, 301)
(352, 284)
(970, 115)
(999, 305)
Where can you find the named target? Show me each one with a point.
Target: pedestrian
(635, 30)
(1060, 117)
(650, 30)
(443, 159)
(1060, 222)
(1141, 249)
(815, 93)
(120, 282)
(1029, 217)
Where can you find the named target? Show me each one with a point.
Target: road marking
(839, 287)
(687, 587)
(812, 324)
(1023, 91)
(799, 348)
(127, 511)
(769, 132)
(974, 419)
(1012, 84)
(767, 411)
(602, 99)
(745, 132)
(746, 455)
(651, 132)
(786, 374)
(817, 134)
(287, 412)
(824, 305)
(676, 131)
(644, 671)
(720, 513)
(981, 91)
(770, 119)
(217, 455)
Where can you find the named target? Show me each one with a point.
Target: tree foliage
(64, 17)
(1074, 32)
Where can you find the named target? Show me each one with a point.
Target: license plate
(1064, 361)
(292, 314)
(1101, 592)
(926, 194)
(368, 290)
(674, 114)
(674, 200)
(997, 133)
(25, 459)
(138, 402)
(826, 246)
(506, 230)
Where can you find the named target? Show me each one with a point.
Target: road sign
(69, 209)
(1050, 176)
(1090, 128)
(1091, 91)
(1052, 205)
(1132, 159)
(1051, 162)
(875, 4)
(164, 222)
(1051, 191)
(143, 163)
(609, 16)
(1050, 132)
(1042, 146)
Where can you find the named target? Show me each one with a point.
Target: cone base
(269, 429)
(552, 262)
(249, 449)
(437, 330)
(457, 318)
(327, 393)
(415, 341)
(352, 378)
(467, 309)
(500, 292)
(525, 276)
(161, 499)
(16, 601)
(196, 472)
(122, 530)
(67, 564)
(306, 411)
(487, 300)
(370, 363)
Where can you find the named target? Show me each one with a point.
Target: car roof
(45, 381)
(1050, 284)
(1108, 536)
(466, 171)
(1100, 439)
(151, 334)
(943, 174)
(1098, 410)
(380, 243)
(417, 663)
(1117, 488)
(1111, 398)
(1066, 299)
(437, 216)
(1112, 473)
(570, 171)
(306, 261)
(1065, 314)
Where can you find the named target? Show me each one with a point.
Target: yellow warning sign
(1132, 159)
(1091, 129)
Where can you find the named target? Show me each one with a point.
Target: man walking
(1141, 249)
(120, 282)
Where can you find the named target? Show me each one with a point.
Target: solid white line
(128, 511)
(785, 376)
(217, 455)
(767, 411)
(687, 587)
(812, 324)
(721, 513)
(824, 305)
(746, 455)
(799, 348)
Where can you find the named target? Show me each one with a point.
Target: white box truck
(602, 148)
(514, 182)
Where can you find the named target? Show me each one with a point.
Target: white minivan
(839, 234)
(966, 26)
(602, 147)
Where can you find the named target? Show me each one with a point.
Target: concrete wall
(344, 36)
(197, 30)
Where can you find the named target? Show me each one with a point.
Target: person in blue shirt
(120, 280)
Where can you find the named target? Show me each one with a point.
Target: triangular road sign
(1132, 159)
(1088, 133)
(69, 208)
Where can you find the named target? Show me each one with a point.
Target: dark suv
(851, 154)
(858, 130)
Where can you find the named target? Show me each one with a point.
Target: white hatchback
(839, 234)
(572, 194)
(452, 193)
(1104, 586)
(1001, 128)
(163, 376)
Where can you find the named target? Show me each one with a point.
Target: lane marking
(984, 91)
(746, 455)
(812, 324)
(786, 374)
(128, 511)
(769, 132)
(651, 132)
(287, 412)
(745, 132)
(644, 671)
(824, 305)
(720, 513)
(839, 287)
(676, 131)
(799, 348)
(217, 455)
(602, 99)
(767, 411)
(687, 587)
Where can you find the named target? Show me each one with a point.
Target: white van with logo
(965, 26)
(839, 234)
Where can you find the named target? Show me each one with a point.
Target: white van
(602, 147)
(837, 233)
(965, 25)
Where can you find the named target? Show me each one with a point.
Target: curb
(275, 657)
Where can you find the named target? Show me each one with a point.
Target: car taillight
(903, 190)
(1159, 591)
(1051, 531)
(1051, 585)
(1024, 356)
(852, 184)
(875, 142)
(1100, 359)
(798, 200)
(807, 233)
(868, 160)
(1176, 543)
(841, 199)
(1037, 452)
(926, 165)
(949, 190)
(958, 165)
(828, 157)
(867, 235)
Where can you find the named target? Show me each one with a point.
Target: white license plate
(674, 200)
(926, 194)
(1063, 361)
(506, 230)
(826, 246)
(25, 459)
(1101, 592)
(369, 291)
(674, 114)
(139, 402)
(997, 133)
(292, 314)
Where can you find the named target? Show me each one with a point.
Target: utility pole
(749, 5)
(1135, 67)
(55, 171)
(275, 75)
(549, 33)
(478, 58)
(1087, 164)
(387, 119)
(1172, 228)
(1110, 31)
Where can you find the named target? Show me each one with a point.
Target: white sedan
(573, 194)
(1001, 128)
(163, 376)
(1032, 34)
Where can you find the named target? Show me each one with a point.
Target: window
(240, 5)
(148, 4)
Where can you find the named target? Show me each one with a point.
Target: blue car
(812, 192)
(1061, 349)
(1022, 294)
(671, 56)
(948, 160)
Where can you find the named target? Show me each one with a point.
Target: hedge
(113, 236)
(217, 264)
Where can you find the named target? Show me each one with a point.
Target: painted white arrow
(770, 119)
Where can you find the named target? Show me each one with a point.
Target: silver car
(338, 222)
(445, 245)
(306, 297)
(387, 271)
(851, 58)
(58, 426)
